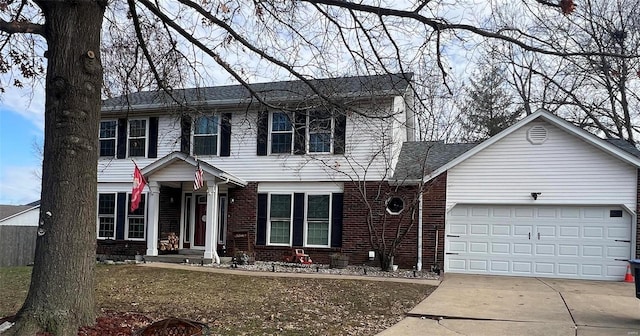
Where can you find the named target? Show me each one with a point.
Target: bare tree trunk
(61, 295)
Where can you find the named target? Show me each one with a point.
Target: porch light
(372, 255)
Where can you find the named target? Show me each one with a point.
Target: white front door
(578, 242)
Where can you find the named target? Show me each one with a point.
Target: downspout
(419, 263)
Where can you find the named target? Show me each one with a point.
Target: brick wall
(242, 214)
(356, 237)
(119, 249)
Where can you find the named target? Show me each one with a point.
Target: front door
(200, 221)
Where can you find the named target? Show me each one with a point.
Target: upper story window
(137, 137)
(281, 133)
(108, 136)
(205, 135)
(320, 128)
(107, 216)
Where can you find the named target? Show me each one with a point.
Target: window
(320, 127)
(205, 135)
(280, 213)
(107, 216)
(395, 205)
(137, 137)
(136, 219)
(108, 135)
(281, 133)
(318, 220)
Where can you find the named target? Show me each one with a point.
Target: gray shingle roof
(10, 210)
(419, 158)
(625, 146)
(274, 91)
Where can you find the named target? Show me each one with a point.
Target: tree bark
(61, 295)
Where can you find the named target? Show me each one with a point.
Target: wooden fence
(17, 245)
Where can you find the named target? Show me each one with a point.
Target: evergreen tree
(489, 107)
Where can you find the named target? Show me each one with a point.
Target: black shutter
(185, 135)
(261, 225)
(225, 135)
(263, 130)
(153, 137)
(336, 219)
(300, 133)
(339, 133)
(298, 219)
(121, 213)
(122, 139)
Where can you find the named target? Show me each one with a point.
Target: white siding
(367, 150)
(565, 169)
(29, 218)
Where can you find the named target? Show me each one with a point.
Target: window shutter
(298, 219)
(263, 130)
(121, 212)
(261, 225)
(225, 135)
(300, 133)
(153, 137)
(185, 135)
(122, 138)
(336, 219)
(339, 133)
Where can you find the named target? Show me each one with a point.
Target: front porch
(182, 220)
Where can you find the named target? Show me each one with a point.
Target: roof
(615, 147)
(170, 158)
(418, 158)
(8, 211)
(274, 91)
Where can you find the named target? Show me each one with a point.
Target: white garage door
(578, 242)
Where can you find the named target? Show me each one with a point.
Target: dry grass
(242, 305)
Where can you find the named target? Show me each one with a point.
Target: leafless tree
(244, 41)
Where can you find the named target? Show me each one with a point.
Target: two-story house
(281, 166)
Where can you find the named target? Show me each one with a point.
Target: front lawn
(239, 304)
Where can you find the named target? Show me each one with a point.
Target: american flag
(198, 182)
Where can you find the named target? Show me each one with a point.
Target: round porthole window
(395, 205)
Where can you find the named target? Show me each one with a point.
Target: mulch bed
(109, 323)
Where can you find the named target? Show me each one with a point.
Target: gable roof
(206, 167)
(10, 211)
(615, 147)
(387, 84)
(418, 158)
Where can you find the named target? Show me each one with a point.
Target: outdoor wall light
(535, 195)
(372, 255)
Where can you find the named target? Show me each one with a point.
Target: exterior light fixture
(535, 195)
(372, 255)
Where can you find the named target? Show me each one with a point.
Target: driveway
(500, 305)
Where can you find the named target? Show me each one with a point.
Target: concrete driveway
(501, 305)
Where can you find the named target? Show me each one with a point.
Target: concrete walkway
(500, 305)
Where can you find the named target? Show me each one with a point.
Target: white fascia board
(552, 119)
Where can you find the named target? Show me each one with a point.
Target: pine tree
(488, 108)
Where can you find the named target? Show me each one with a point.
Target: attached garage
(542, 198)
(581, 242)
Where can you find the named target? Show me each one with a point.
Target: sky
(21, 133)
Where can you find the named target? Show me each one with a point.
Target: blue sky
(21, 132)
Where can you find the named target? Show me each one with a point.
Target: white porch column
(152, 220)
(211, 231)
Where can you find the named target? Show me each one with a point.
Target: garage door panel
(545, 250)
(565, 250)
(500, 248)
(573, 242)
